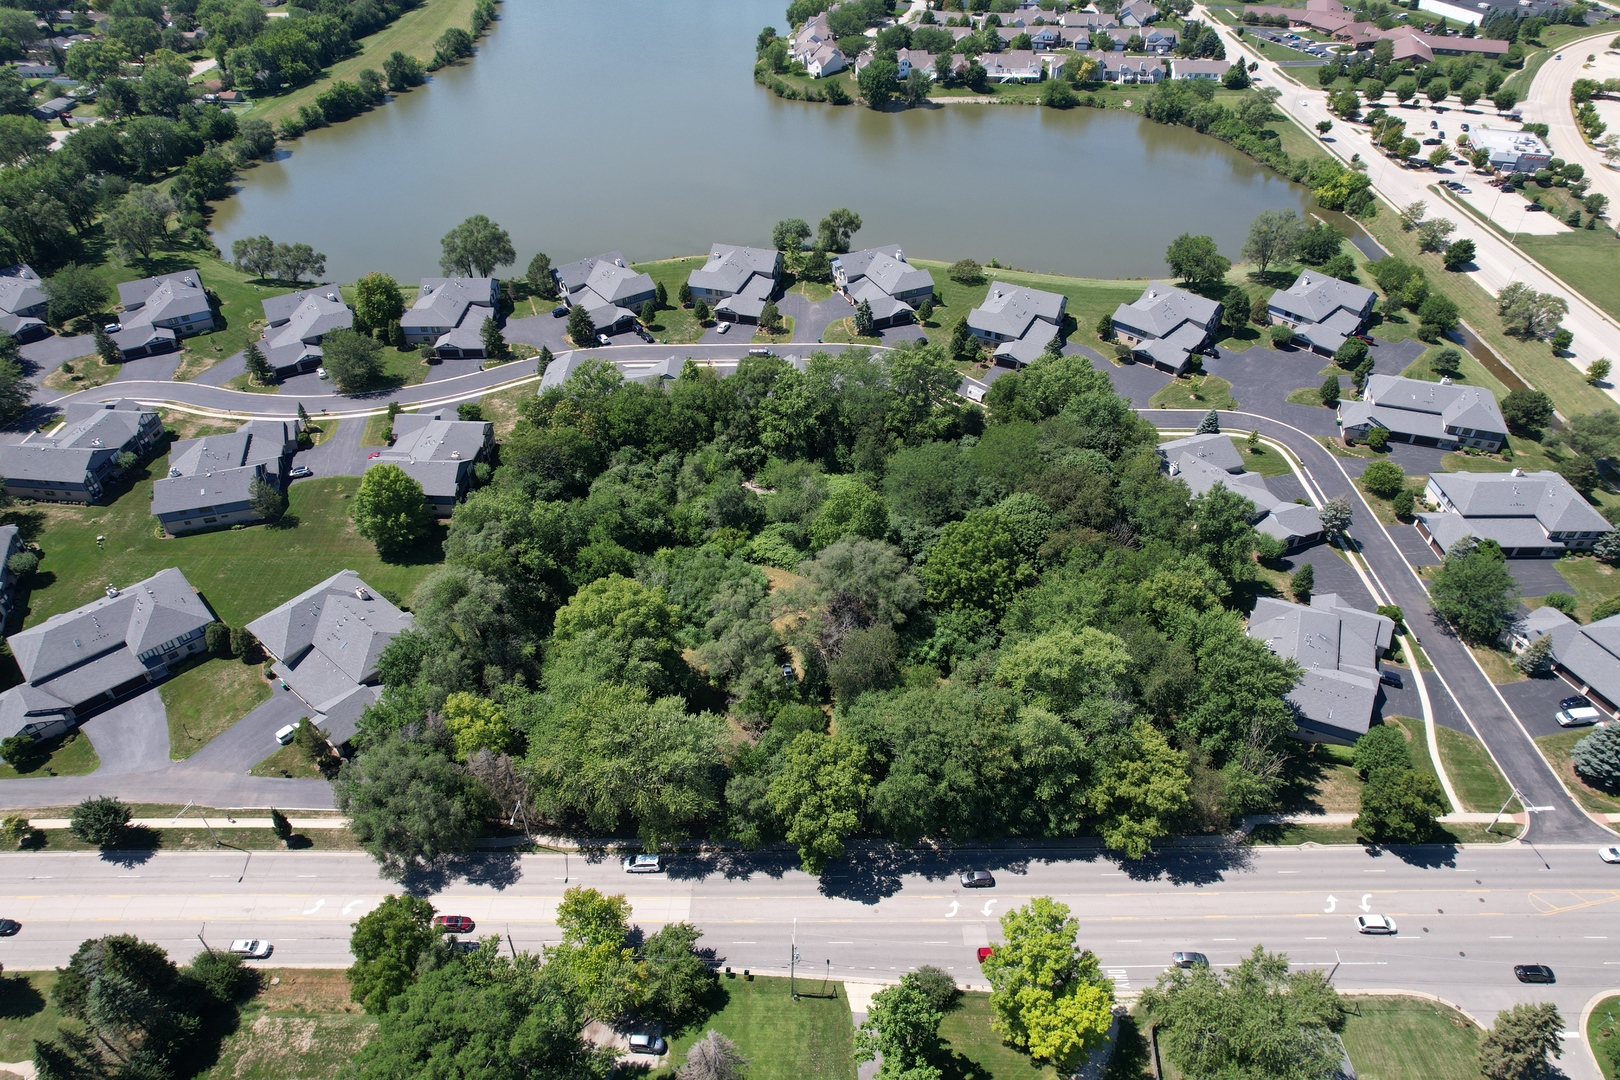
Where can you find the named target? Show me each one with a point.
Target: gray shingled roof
(1591, 653)
(1161, 309)
(168, 296)
(1545, 496)
(20, 289)
(317, 313)
(140, 617)
(573, 276)
(328, 639)
(1008, 310)
(730, 267)
(886, 268)
(1217, 449)
(560, 368)
(1338, 647)
(1451, 404)
(1314, 296)
(445, 301)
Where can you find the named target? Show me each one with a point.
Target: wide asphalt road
(1465, 916)
(1556, 817)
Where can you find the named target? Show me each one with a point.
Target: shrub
(1383, 478)
(1378, 439)
(1383, 747)
(937, 986)
(1403, 503)
(101, 821)
(966, 272)
(1563, 601)
(1282, 336)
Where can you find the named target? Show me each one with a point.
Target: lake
(589, 125)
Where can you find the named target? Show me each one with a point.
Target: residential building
(23, 303)
(78, 662)
(54, 109)
(1511, 151)
(210, 480)
(297, 323)
(737, 281)
(1338, 647)
(1203, 461)
(664, 371)
(158, 311)
(449, 314)
(883, 279)
(325, 644)
(1439, 414)
(1322, 310)
(75, 461)
(35, 71)
(1087, 19)
(1588, 658)
(1013, 66)
(1198, 69)
(1538, 624)
(1168, 325)
(826, 59)
(561, 367)
(1137, 13)
(1019, 322)
(1530, 515)
(609, 291)
(10, 544)
(1117, 67)
(439, 452)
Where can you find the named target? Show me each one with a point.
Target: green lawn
(1195, 392)
(1262, 459)
(675, 324)
(1480, 785)
(501, 407)
(1305, 395)
(70, 755)
(1585, 258)
(784, 335)
(378, 428)
(843, 332)
(412, 33)
(403, 367)
(1592, 583)
(809, 1039)
(1410, 1039)
(26, 1013)
(206, 699)
(242, 572)
(1556, 749)
(976, 1052)
(289, 761)
(1603, 1036)
(302, 1028)
(88, 372)
(1473, 373)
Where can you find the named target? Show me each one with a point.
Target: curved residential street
(1549, 104)
(1497, 263)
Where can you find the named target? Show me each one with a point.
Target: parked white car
(287, 734)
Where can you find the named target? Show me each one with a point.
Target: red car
(455, 924)
(985, 952)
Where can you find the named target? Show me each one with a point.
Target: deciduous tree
(387, 943)
(390, 509)
(1048, 998)
(476, 247)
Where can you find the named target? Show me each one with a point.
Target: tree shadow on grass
(19, 998)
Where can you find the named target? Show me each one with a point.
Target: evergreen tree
(1597, 758)
(863, 319)
(494, 341)
(106, 348)
(1301, 584)
(1210, 424)
(581, 330)
(258, 368)
(280, 825)
(685, 295)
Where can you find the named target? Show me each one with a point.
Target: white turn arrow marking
(351, 905)
(318, 905)
(986, 911)
(1333, 902)
(1364, 905)
(951, 914)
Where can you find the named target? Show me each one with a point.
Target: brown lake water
(589, 125)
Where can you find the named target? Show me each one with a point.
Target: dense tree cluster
(447, 1012)
(1022, 625)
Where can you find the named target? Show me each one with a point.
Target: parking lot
(1536, 700)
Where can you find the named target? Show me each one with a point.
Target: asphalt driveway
(132, 736)
(251, 739)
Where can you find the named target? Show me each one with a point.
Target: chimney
(360, 593)
(112, 591)
(1518, 472)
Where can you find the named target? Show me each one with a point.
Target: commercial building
(1511, 151)
(1439, 414)
(1530, 515)
(78, 662)
(1338, 647)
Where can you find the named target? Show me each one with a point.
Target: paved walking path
(1548, 103)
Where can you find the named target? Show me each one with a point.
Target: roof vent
(360, 593)
(112, 591)
(173, 471)
(1445, 380)
(332, 296)
(1518, 472)
(95, 442)
(455, 455)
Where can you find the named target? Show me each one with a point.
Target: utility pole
(793, 960)
(203, 940)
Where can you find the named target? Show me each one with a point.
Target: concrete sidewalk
(193, 822)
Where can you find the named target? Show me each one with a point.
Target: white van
(1577, 717)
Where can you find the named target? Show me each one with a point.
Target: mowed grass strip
(241, 572)
(809, 1039)
(974, 1049)
(206, 699)
(69, 755)
(1399, 1038)
(412, 33)
(1556, 749)
(26, 1013)
(1480, 785)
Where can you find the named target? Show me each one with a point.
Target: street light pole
(1514, 794)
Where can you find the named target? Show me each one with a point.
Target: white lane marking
(1129, 941)
(1332, 902)
(955, 907)
(1501, 937)
(745, 943)
(1365, 906)
(318, 905)
(1372, 871)
(1224, 939)
(1288, 871)
(1597, 937)
(840, 943)
(351, 905)
(986, 911)
(1316, 939)
(936, 943)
